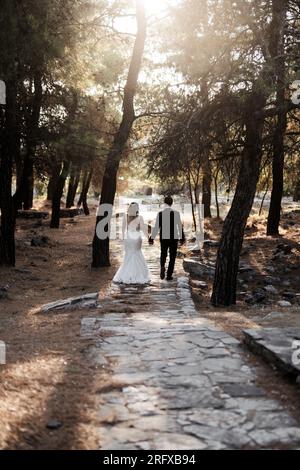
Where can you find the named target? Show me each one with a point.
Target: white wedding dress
(134, 269)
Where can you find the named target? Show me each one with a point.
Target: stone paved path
(179, 382)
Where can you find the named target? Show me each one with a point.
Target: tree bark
(224, 289)
(206, 167)
(277, 51)
(216, 193)
(9, 134)
(83, 183)
(72, 188)
(296, 195)
(264, 196)
(8, 151)
(192, 201)
(100, 256)
(85, 193)
(24, 193)
(57, 195)
(206, 188)
(52, 181)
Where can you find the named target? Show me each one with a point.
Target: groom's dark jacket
(169, 226)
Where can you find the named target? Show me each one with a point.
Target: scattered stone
(271, 289)
(284, 303)
(3, 293)
(32, 214)
(40, 241)
(23, 271)
(276, 346)
(199, 284)
(54, 424)
(270, 280)
(274, 316)
(258, 296)
(70, 213)
(283, 248)
(70, 302)
(245, 268)
(289, 294)
(211, 243)
(270, 269)
(197, 268)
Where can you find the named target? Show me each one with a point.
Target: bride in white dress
(134, 269)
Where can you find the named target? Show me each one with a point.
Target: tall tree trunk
(28, 189)
(109, 183)
(57, 195)
(296, 195)
(206, 166)
(52, 181)
(215, 176)
(206, 188)
(72, 188)
(224, 289)
(8, 152)
(83, 184)
(264, 195)
(192, 201)
(85, 191)
(24, 193)
(9, 134)
(277, 51)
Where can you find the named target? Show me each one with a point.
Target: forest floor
(266, 264)
(47, 377)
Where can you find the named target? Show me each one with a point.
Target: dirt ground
(259, 253)
(47, 377)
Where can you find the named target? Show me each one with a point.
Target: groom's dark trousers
(171, 247)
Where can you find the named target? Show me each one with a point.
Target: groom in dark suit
(169, 226)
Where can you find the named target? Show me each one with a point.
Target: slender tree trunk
(206, 188)
(57, 195)
(55, 171)
(85, 193)
(72, 188)
(9, 134)
(224, 289)
(75, 187)
(109, 183)
(296, 195)
(264, 196)
(206, 166)
(8, 152)
(28, 189)
(192, 202)
(216, 193)
(24, 193)
(83, 184)
(277, 50)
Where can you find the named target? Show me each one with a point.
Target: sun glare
(155, 6)
(154, 9)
